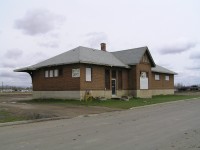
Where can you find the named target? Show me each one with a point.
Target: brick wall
(61, 83)
(125, 77)
(130, 78)
(98, 79)
(162, 83)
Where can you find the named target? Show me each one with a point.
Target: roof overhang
(173, 73)
(31, 68)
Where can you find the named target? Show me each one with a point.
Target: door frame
(112, 88)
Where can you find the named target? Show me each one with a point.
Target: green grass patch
(134, 102)
(6, 116)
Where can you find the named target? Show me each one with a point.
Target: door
(113, 86)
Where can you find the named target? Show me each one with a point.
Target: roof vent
(103, 46)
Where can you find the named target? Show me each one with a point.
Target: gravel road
(169, 126)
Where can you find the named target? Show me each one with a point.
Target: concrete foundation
(107, 94)
(78, 95)
(56, 94)
(143, 93)
(163, 92)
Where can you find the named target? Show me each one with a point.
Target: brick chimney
(103, 46)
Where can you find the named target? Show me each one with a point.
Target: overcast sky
(34, 30)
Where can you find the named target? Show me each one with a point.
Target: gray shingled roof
(133, 56)
(162, 70)
(92, 56)
(79, 55)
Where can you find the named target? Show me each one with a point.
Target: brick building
(105, 74)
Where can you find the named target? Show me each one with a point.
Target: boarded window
(88, 74)
(144, 83)
(107, 79)
(51, 73)
(157, 77)
(120, 80)
(46, 74)
(167, 78)
(56, 73)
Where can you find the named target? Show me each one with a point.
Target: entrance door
(113, 86)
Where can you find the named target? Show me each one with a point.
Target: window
(46, 74)
(157, 77)
(144, 82)
(88, 74)
(56, 73)
(51, 73)
(167, 78)
(143, 75)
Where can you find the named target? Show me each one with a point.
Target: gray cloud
(177, 47)
(39, 22)
(50, 44)
(194, 68)
(8, 73)
(9, 64)
(95, 38)
(8, 77)
(37, 57)
(13, 53)
(195, 56)
(55, 35)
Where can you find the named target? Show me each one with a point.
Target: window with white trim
(157, 77)
(88, 74)
(51, 73)
(167, 78)
(46, 74)
(56, 73)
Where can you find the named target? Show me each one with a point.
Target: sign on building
(76, 73)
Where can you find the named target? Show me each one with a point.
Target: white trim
(56, 73)
(167, 77)
(144, 83)
(51, 73)
(46, 74)
(157, 77)
(88, 74)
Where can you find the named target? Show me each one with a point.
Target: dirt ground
(12, 104)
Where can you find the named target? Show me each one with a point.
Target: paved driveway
(172, 126)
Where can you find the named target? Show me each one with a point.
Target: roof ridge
(117, 58)
(130, 49)
(90, 48)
